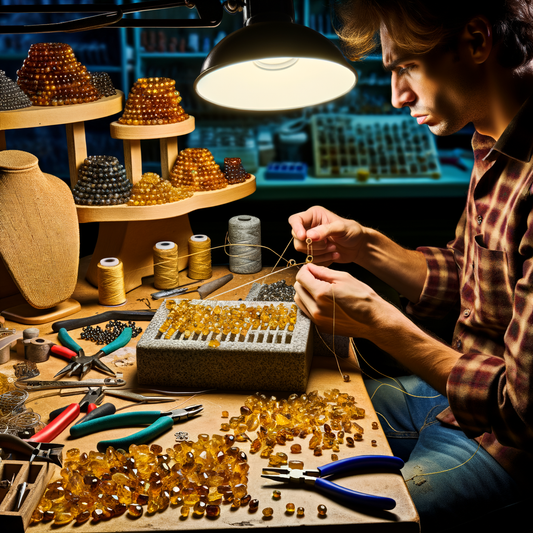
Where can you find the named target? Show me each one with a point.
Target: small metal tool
(38, 384)
(203, 290)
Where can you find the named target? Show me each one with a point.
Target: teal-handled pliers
(160, 422)
(81, 364)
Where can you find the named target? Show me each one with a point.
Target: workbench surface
(324, 375)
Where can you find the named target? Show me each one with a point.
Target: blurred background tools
(81, 364)
(17, 448)
(343, 467)
(160, 422)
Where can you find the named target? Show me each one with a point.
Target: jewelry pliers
(344, 466)
(160, 421)
(81, 364)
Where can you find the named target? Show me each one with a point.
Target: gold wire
(111, 288)
(166, 271)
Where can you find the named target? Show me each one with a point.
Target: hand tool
(44, 452)
(160, 421)
(204, 290)
(81, 364)
(88, 403)
(22, 488)
(66, 416)
(37, 384)
(135, 397)
(344, 466)
(75, 323)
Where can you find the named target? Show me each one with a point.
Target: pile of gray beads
(278, 291)
(102, 180)
(11, 95)
(103, 83)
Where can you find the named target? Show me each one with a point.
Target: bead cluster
(102, 180)
(153, 101)
(234, 171)
(281, 421)
(11, 96)
(52, 76)
(196, 476)
(109, 333)
(196, 168)
(278, 291)
(151, 189)
(102, 82)
(187, 320)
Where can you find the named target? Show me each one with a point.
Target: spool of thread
(110, 277)
(38, 350)
(166, 272)
(200, 257)
(242, 230)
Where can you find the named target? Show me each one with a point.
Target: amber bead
(253, 505)
(374, 443)
(153, 101)
(300, 511)
(276, 495)
(296, 448)
(196, 169)
(290, 508)
(234, 170)
(51, 76)
(322, 510)
(153, 190)
(212, 511)
(268, 512)
(375, 425)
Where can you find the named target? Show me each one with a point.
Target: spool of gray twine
(243, 230)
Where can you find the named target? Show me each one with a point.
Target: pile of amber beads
(329, 419)
(194, 320)
(196, 168)
(151, 189)
(153, 101)
(195, 476)
(102, 180)
(102, 82)
(234, 171)
(52, 76)
(11, 96)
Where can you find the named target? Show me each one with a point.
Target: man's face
(438, 86)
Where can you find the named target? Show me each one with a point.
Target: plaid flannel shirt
(488, 269)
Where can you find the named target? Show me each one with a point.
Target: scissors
(344, 466)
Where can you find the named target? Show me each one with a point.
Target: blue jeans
(477, 492)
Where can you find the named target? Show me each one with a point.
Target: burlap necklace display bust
(39, 232)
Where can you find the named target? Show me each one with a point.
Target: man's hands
(335, 239)
(338, 303)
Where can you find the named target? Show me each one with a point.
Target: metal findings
(309, 258)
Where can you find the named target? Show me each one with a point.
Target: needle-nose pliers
(160, 421)
(345, 467)
(81, 364)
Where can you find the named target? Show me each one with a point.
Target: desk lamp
(271, 64)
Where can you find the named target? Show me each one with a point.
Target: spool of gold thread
(200, 257)
(110, 276)
(166, 271)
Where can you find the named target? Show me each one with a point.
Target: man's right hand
(334, 239)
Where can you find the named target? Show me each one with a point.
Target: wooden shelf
(200, 200)
(37, 116)
(163, 131)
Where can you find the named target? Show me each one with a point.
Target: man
(464, 419)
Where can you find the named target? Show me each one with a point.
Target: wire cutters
(81, 364)
(160, 422)
(344, 466)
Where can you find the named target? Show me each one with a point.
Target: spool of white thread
(243, 230)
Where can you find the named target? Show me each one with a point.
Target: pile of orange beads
(153, 101)
(196, 477)
(51, 76)
(196, 168)
(154, 190)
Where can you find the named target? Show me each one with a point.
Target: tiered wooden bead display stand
(130, 232)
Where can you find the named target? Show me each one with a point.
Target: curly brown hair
(418, 26)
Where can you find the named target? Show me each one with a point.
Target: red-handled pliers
(67, 415)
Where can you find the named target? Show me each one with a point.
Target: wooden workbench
(324, 375)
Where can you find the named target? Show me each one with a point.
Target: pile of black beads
(234, 171)
(102, 180)
(278, 291)
(103, 83)
(109, 333)
(11, 95)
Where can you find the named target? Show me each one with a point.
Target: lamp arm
(112, 16)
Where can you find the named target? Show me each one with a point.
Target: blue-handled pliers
(81, 364)
(344, 466)
(160, 421)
